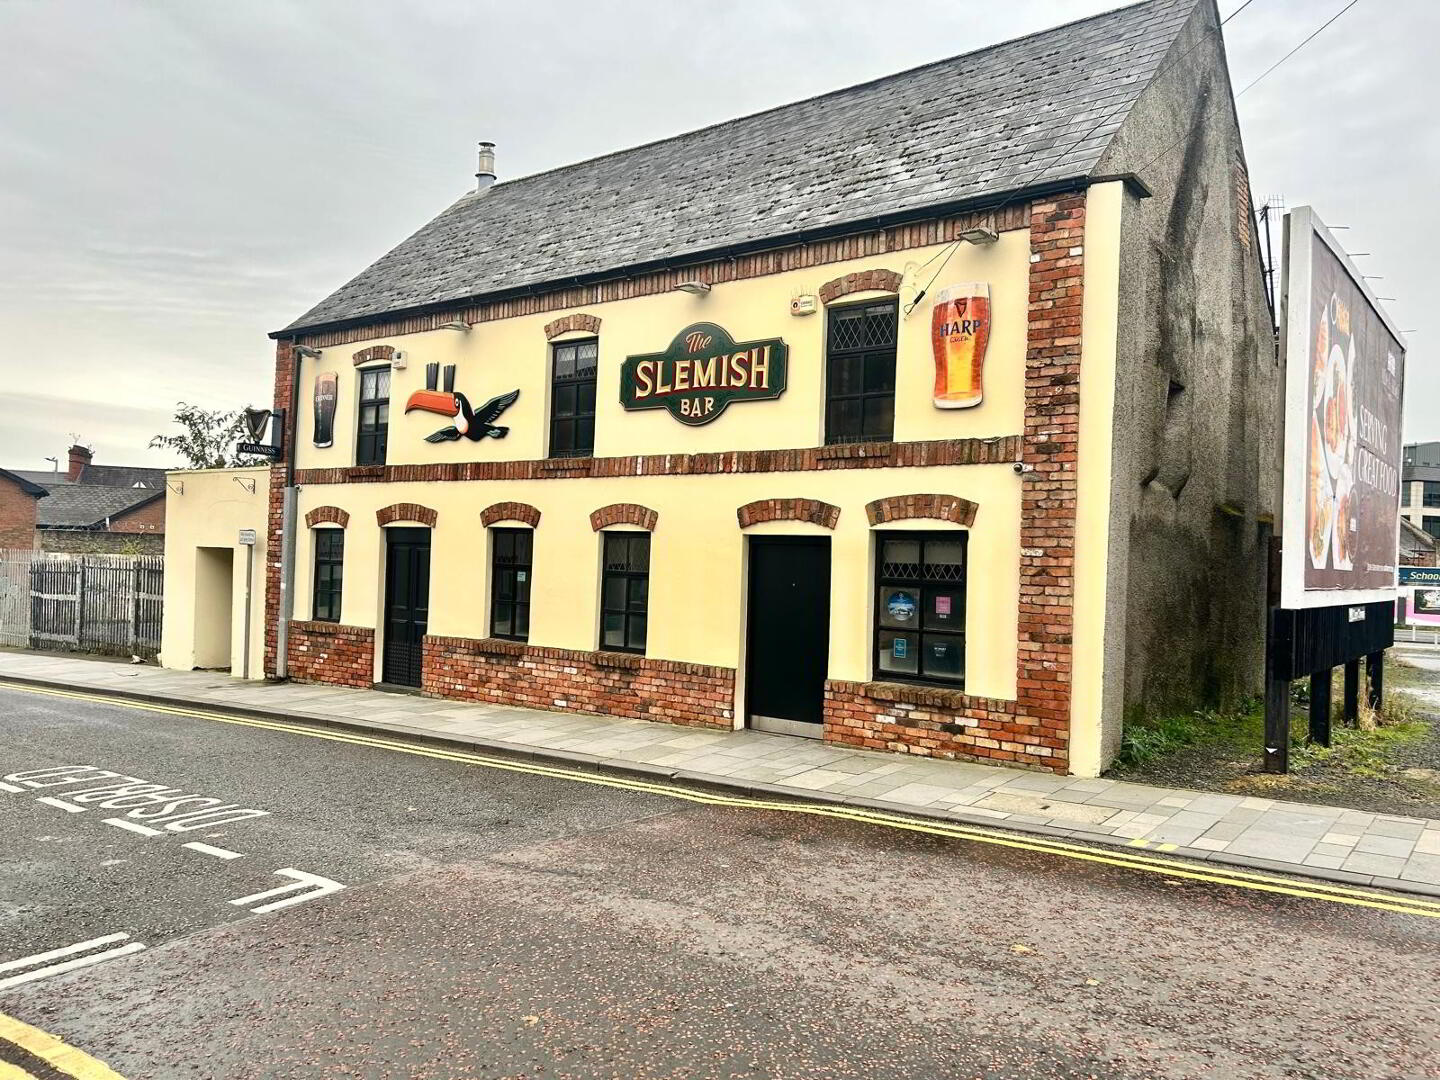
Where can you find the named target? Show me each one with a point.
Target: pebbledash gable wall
(1031, 731)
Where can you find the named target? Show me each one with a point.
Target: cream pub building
(660, 434)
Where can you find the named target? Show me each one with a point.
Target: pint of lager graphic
(959, 332)
(326, 385)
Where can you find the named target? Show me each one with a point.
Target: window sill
(614, 658)
(567, 464)
(365, 472)
(916, 693)
(831, 451)
(493, 646)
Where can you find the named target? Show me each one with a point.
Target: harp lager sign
(702, 372)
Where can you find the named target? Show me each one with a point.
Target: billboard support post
(1320, 685)
(1375, 668)
(1352, 692)
(1277, 705)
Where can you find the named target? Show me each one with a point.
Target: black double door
(788, 647)
(407, 604)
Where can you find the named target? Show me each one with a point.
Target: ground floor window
(625, 591)
(920, 607)
(329, 568)
(510, 583)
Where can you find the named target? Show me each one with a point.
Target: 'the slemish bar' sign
(702, 371)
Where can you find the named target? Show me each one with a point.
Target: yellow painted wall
(696, 583)
(1099, 337)
(496, 357)
(204, 510)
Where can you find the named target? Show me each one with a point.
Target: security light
(307, 351)
(979, 235)
(456, 325)
(694, 288)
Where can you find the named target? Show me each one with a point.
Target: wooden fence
(107, 604)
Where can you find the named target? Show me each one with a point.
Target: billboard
(1344, 376)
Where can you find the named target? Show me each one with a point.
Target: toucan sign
(702, 372)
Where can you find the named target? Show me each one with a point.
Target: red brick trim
(566, 323)
(624, 514)
(326, 652)
(803, 256)
(993, 451)
(941, 507)
(811, 510)
(406, 512)
(374, 352)
(510, 511)
(331, 514)
(864, 281)
(612, 684)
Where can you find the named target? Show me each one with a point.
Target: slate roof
(78, 506)
(1415, 541)
(27, 487)
(102, 475)
(1009, 116)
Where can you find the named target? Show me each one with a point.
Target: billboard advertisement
(1344, 377)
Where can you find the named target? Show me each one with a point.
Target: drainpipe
(287, 526)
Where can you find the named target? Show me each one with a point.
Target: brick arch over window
(941, 507)
(374, 352)
(323, 514)
(811, 510)
(624, 514)
(865, 281)
(406, 512)
(563, 325)
(510, 511)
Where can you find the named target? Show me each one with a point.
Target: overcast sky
(179, 177)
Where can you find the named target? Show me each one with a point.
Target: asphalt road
(499, 924)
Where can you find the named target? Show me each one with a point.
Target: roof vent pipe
(486, 174)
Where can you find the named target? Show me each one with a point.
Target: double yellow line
(55, 1053)
(1126, 859)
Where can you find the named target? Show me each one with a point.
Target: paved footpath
(1328, 842)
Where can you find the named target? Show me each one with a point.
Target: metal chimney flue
(486, 174)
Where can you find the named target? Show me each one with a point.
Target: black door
(407, 604)
(789, 634)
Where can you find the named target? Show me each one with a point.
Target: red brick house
(98, 509)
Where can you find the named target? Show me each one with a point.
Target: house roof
(101, 475)
(1416, 541)
(1029, 112)
(79, 506)
(28, 487)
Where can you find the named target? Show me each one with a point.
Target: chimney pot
(485, 176)
(80, 456)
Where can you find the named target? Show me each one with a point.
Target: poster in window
(1427, 602)
(327, 386)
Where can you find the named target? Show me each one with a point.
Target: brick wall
(284, 382)
(17, 516)
(613, 684)
(99, 542)
(1034, 730)
(149, 518)
(324, 652)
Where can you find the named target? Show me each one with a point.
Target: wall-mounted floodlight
(307, 351)
(694, 288)
(979, 235)
(456, 325)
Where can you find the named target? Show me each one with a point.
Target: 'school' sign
(702, 372)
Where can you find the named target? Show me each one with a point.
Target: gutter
(991, 200)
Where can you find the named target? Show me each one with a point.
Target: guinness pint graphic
(327, 385)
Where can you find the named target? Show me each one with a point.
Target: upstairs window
(572, 398)
(329, 572)
(374, 416)
(920, 608)
(510, 583)
(625, 592)
(860, 372)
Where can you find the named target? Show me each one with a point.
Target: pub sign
(702, 372)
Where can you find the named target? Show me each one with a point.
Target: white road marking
(321, 887)
(66, 965)
(10, 787)
(121, 823)
(218, 852)
(62, 804)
